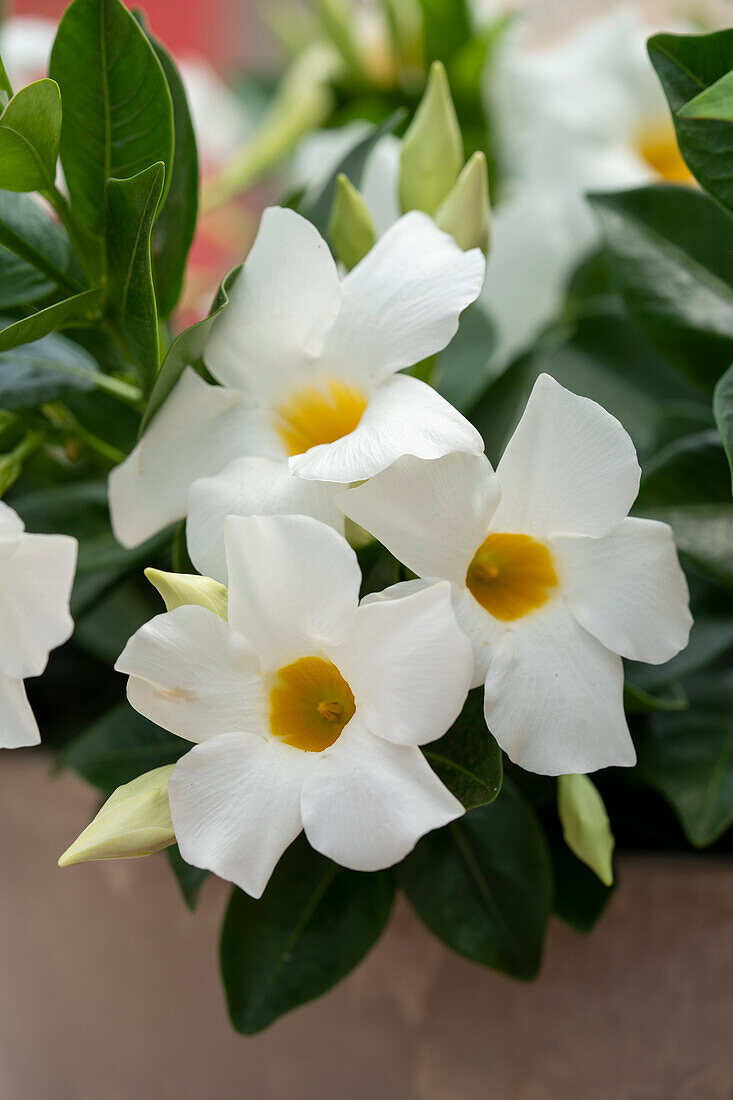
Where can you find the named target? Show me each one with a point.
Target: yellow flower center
(310, 704)
(657, 144)
(511, 575)
(319, 415)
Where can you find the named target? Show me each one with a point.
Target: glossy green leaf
(467, 758)
(585, 824)
(176, 224)
(190, 879)
(688, 64)
(30, 130)
(670, 255)
(79, 309)
(314, 923)
(688, 757)
(716, 102)
(45, 370)
(483, 884)
(131, 208)
(723, 410)
(120, 746)
(118, 119)
(35, 255)
(186, 351)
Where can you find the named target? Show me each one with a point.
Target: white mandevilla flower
(308, 707)
(36, 575)
(550, 580)
(310, 391)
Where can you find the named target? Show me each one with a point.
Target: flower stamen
(310, 704)
(319, 415)
(511, 575)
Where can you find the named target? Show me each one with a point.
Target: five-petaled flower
(36, 575)
(308, 707)
(310, 396)
(550, 579)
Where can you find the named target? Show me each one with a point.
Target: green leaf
(45, 370)
(176, 224)
(6, 88)
(431, 153)
(186, 351)
(119, 747)
(118, 119)
(313, 924)
(131, 208)
(35, 255)
(580, 897)
(670, 255)
(704, 537)
(723, 410)
(467, 758)
(688, 757)
(716, 102)
(78, 309)
(446, 28)
(585, 824)
(464, 370)
(189, 878)
(688, 64)
(483, 885)
(30, 130)
(669, 697)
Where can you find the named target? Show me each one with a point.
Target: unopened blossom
(551, 580)
(307, 707)
(36, 575)
(308, 364)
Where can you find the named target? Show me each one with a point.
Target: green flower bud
(134, 821)
(178, 589)
(585, 824)
(350, 229)
(464, 213)
(432, 148)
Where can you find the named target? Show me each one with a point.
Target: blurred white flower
(36, 575)
(307, 707)
(310, 393)
(550, 580)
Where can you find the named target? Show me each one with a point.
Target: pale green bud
(10, 468)
(178, 589)
(585, 824)
(134, 821)
(350, 229)
(464, 213)
(432, 148)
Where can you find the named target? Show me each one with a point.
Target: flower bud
(178, 589)
(351, 229)
(432, 148)
(464, 213)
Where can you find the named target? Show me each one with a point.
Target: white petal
(432, 515)
(628, 590)
(402, 302)
(408, 665)
(281, 306)
(235, 806)
(569, 469)
(18, 727)
(369, 801)
(36, 576)
(482, 629)
(380, 182)
(193, 675)
(404, 417)
(198, 431)
(554, 697)
(247, 487)
(293, 585)
(11, 525)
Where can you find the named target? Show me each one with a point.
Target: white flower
(307, 707)
(550, 580)
(308, 368)
(36, 575)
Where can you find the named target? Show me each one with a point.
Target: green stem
(30, 443)
(70, 224)
(123, 391)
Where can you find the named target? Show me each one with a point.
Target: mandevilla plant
(382, 663)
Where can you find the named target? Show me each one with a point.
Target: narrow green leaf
(670, 255)
(45, 370)
(350, 229)
(30, 131)
(483, 885)
(716, 102)
(431, 154)
(6, 88)
(314, 923)
(186, 351)
(585, 824)
(467, 758)
(131, 208)
(723, 410)
(79, 309)
(687, 65)
(118, 119)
